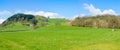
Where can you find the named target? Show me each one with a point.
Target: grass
(61, 38)
(15, 26)
(53, 21)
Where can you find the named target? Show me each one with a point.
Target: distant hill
(22, 18)
(26, 21)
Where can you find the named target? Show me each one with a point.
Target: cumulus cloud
(43, 13)
(97, 11)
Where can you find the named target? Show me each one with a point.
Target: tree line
(99, 21)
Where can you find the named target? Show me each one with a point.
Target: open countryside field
(61, 38)
(59, 25)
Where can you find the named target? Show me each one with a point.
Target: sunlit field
(61, 38)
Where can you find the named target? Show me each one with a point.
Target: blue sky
(61, 8)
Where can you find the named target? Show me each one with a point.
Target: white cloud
(81, 15)
(110, 11)
(46, 14)
(5, 12)
(75, 16)
(97, 11)
(1, 20)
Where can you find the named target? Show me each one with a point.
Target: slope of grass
(15, 26)
(61, 38)
(52, 21)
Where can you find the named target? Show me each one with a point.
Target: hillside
(28, 22)
(21, 18)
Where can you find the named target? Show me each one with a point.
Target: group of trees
(99, 21)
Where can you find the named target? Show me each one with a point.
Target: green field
(61, 38)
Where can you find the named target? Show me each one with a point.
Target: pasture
(61, 38)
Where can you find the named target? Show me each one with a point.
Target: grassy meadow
(59, 25)
(61, 38)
